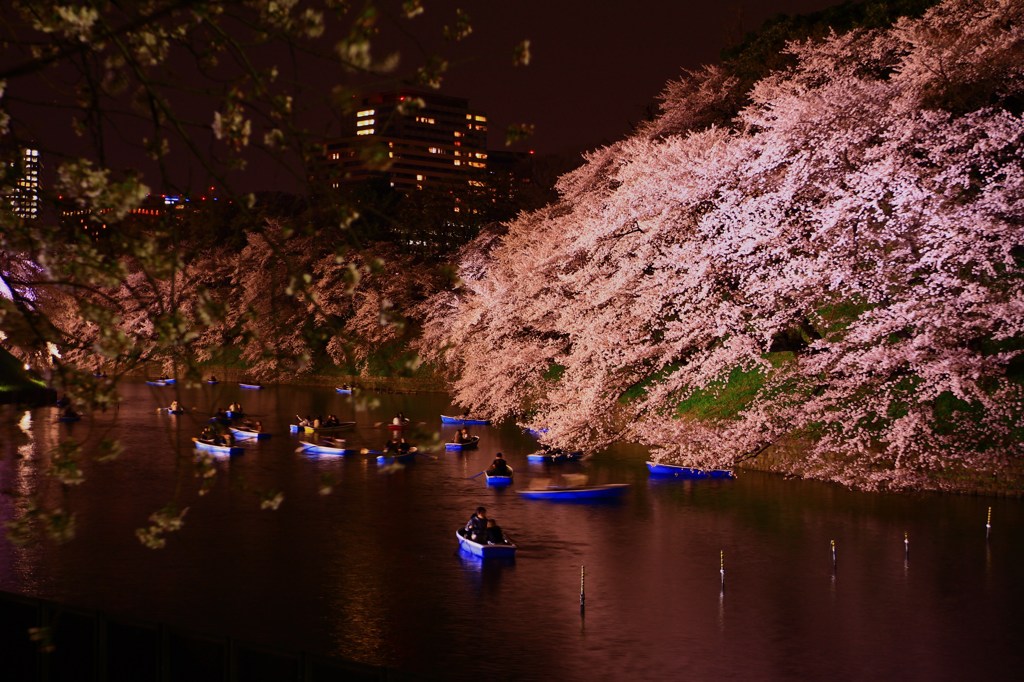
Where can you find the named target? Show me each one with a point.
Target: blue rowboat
(212, 381)
(217, 449)
(691, 473)
(180, 410)
(498, 481)
(254, 387)
(402, 458)
(68, 418)
(157, 382)
(583, 492)
(343, 389)
(468, 445)
(322, 449)
(485, 551)
(248, 434)
(295, 428)
(464, 421)
(554, 455)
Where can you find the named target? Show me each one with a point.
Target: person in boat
(213, 378)
(495, 535)
(69, 413)
(476, 527)
(174, 406)
(499, 467)
(63, 401)
(399, 419)
(462, 436)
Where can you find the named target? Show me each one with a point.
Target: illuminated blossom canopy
(829, 280)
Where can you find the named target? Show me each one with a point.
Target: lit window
(365, 131)
(365, 112)
(365, 122)
(480, 118)
(457, 162)
(419, 177)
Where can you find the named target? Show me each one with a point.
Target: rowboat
(250, 386)
(68, 418)
(157, 382)
(249, 434)
(581, 492)
(485, 551)
(674, 471)
(347, 390)
(179, 410)
(295, 428)
(320, 449)
(551, 455)
(464, 421)
(468, 445)
(323, 449)
(497, 480)
(234, 414)
(401, 458)
(217, 449)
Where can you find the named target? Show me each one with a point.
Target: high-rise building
(428, 149)
(415, 140)
(24, 200)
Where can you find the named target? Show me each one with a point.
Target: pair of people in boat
(318, 421)
(235, 408)
(400, 419)
(462, 436)
(481, 529)
(499, 467)
(209, 435)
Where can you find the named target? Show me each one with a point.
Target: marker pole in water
(583, 592)
(906, 546)
(833, 556)
(721, 567)
(988, 524)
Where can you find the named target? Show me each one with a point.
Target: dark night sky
(595, 66)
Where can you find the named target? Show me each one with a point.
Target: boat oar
(470, 478)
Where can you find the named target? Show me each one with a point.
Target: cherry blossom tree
(831, 276)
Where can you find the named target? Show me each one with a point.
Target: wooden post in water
(988, 524)
(833, 556)
(906, 546)
(583, 592)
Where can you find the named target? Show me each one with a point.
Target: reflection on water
(371, 570)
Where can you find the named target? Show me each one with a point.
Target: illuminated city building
(413, 139)
(24, 201)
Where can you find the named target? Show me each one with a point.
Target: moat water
(371, 571)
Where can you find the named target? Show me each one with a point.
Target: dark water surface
(371, 572)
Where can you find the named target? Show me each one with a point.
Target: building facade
(413, 139)
(24, 200)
